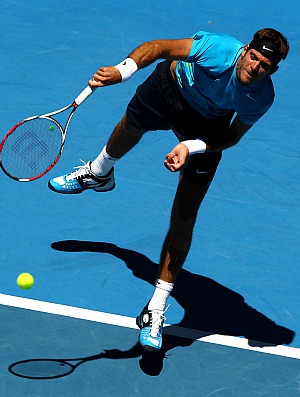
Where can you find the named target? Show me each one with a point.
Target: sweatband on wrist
(127, 68)
(195, 146)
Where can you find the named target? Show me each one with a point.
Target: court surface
(232, 327)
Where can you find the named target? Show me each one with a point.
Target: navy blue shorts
(159, 105)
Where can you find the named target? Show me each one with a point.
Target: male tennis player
(210, 90)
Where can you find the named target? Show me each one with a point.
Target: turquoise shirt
(207, 80)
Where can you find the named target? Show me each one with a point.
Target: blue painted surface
(112, 363)
(246, 238)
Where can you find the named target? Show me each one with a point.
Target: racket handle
(84, 95)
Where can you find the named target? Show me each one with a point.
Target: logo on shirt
(250, 97)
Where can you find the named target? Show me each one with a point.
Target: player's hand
(106, 75)
(176, 158)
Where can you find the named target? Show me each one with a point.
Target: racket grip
(84, 95)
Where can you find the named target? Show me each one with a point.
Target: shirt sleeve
(253, 115)
(217, 52)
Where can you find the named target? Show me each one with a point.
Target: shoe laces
(80, 170)
(157, 320)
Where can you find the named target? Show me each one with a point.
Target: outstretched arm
(178, 156)
(144, 55)
(150, 51)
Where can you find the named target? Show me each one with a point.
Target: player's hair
(281, 43)
(272, 44)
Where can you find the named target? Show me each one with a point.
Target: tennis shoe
(82, 179)
(150, 323)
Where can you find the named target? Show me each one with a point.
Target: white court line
(129, 322)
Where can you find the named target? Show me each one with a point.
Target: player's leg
(99, 174)
(192, 188)
(188, 199)
(176, 246)
(124, 137)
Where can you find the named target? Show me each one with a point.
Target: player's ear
(273, 69)
(246, 48)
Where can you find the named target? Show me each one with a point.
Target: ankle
(103, 164)
(160, 296)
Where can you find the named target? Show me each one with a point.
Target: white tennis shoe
(82, 179)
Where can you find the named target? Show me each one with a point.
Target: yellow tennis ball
(25, 280)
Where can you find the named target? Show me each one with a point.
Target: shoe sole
(150, 348)
(79, 191)
(106, 190)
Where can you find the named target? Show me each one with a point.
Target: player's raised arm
(140, 57)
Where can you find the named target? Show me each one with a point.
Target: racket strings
(31, 148)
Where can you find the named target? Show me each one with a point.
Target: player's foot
(150, 322)
(82, 179)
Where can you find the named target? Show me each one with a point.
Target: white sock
(161, 294)
(103, 163)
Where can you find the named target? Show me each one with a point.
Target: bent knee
(129, 128)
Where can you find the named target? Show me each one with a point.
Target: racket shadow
(54, 368)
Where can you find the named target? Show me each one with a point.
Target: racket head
(41, 368)
(31, 148)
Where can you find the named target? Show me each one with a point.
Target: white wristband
(195, 146)
(127, 68)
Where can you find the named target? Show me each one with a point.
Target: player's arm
(151, 51)
(140, 57)
(178, 156)
(234, 133)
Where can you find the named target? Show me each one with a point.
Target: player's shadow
(209, 307)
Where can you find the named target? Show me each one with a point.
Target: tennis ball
(25, 280)
(51, 128)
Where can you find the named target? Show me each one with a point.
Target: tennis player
(210, 90)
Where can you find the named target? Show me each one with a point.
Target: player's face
(252, 66)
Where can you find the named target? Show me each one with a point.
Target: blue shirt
(208, 82)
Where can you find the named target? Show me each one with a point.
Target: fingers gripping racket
(33, 146)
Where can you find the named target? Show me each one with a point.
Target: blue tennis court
(235, 330)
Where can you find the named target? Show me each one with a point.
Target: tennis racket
(33, 146)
